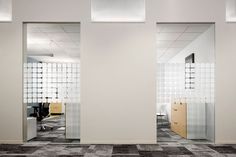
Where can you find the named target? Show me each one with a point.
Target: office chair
(45, 114)
(41, 112)
(162, 117)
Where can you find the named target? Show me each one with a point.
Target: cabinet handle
(175, 110)
(176, 122)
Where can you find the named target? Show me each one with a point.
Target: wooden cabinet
(55, 108)
(179, 119)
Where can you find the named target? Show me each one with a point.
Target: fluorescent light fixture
(41, 55)
(231, 11)
(5, 10)
(118, 11)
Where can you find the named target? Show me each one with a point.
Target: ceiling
(172, 38)
(53, 42)
(62, 41)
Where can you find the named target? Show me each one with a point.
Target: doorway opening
(52, 82)
(185, 82)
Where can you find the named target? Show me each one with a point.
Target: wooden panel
(174, 127)
(182, 116)
(183, 130)
(179, 119)
(56, 108)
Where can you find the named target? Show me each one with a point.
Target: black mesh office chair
(41, 112)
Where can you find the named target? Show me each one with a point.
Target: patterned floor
(54, 135)
(53, 143)
(165, 135)
(157, 150)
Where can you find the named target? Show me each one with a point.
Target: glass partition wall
(185, 83)
(52, 81)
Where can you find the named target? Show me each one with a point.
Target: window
(231, 11)
(190, 72)
(118, 10)
(5, 10)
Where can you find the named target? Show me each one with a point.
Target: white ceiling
(61, 40)
(172, 38)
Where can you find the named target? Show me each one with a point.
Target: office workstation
(51, 80)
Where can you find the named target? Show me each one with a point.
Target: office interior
(185, 82)
(120, 102)
(52, 81)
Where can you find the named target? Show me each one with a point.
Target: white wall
(10, 84)
(203, 47)
(117, 68)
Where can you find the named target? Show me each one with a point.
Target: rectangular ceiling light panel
(231, 11)
(5, 10)
(118, 11)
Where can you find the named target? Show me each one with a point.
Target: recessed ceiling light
(41, 55)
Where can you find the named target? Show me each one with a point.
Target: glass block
(34, 65)
(40, 100)
(29, 101)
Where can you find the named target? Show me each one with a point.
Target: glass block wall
(171, 83)
(55, 82)
(72, 121)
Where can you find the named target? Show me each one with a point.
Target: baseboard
(11, 142)
(225, 142)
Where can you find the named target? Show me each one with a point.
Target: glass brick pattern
(171, 87)
(55, 81)
(171, 83)
(72, 121)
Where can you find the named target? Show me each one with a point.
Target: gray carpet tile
(224, 149)
(141, 150)
(149, 147)
(52, 142)
(125, 149)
